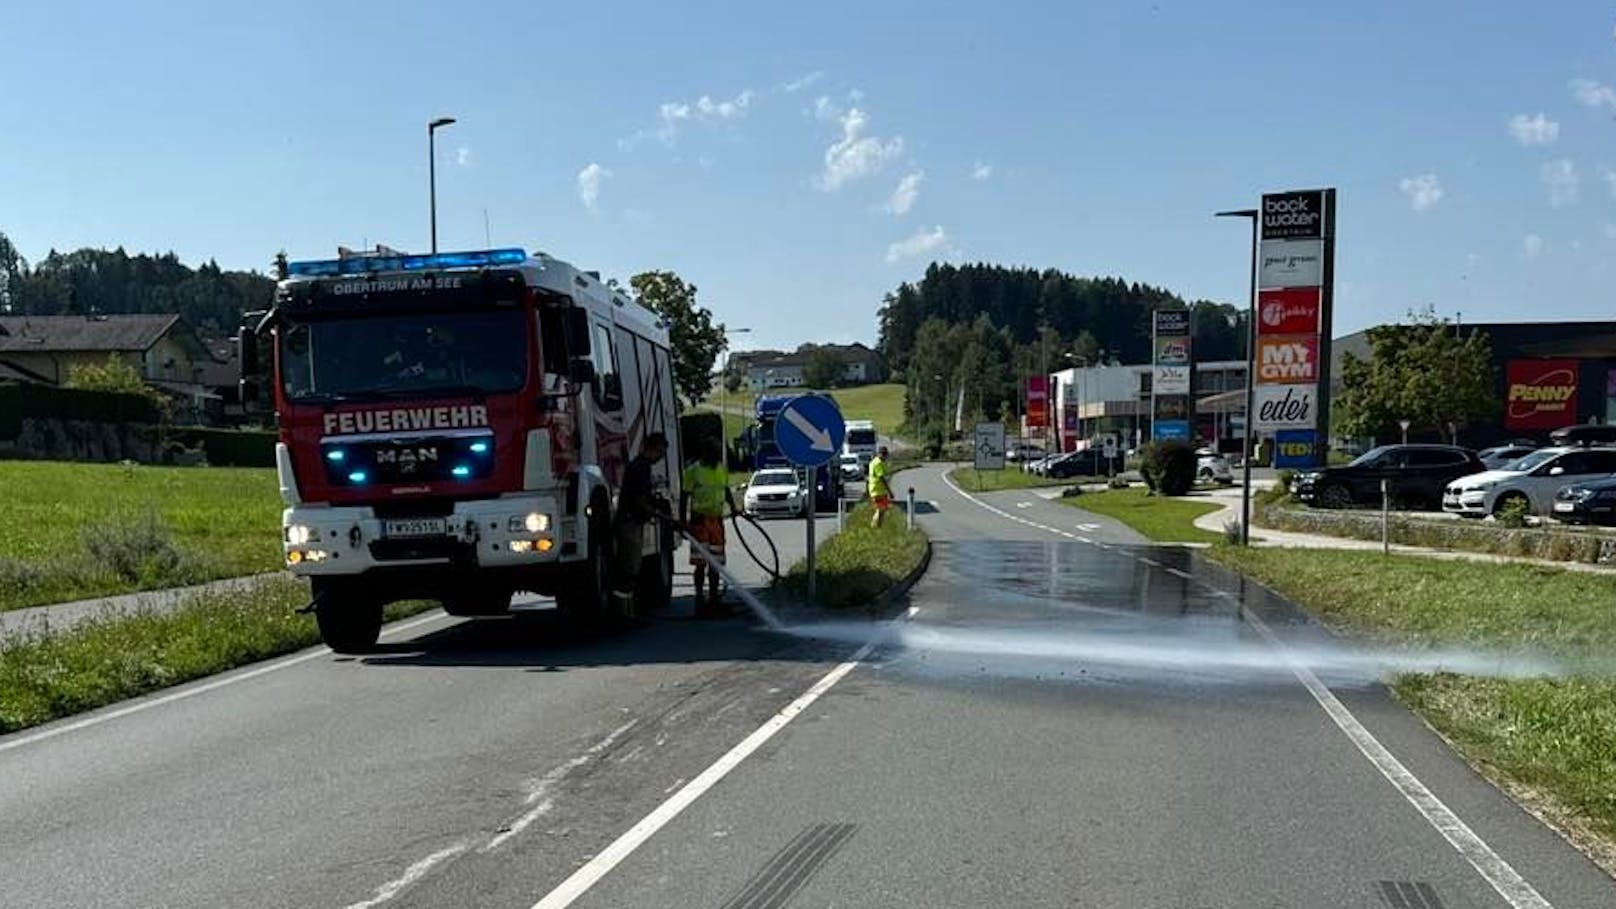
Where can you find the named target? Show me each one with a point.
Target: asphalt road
(1069, 718)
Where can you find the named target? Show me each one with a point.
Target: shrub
(138, 550)
(1117, 483)
(1231, 531)
(1513, 514)
(1172, 465)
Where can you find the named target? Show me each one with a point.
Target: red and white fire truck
(455, 427)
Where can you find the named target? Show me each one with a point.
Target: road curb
(903, 586)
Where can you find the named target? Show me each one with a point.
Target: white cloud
(589, 181)
(797, 85)
(856, 155)
(1593, 94)
(672, 115)
(1561, 180)
(1532, 246)
(919, 243)
(981, 171)
(1538, 130)
(1422, 191)
(904, 196)
(826, 109)
(463, 156)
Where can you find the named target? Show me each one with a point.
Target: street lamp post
(723, 378)
(1252, 215)
(432, 172)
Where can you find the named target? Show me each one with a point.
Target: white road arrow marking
(819, 438)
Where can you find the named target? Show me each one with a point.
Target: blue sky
(1472, 143)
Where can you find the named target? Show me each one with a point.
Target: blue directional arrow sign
(809, 430)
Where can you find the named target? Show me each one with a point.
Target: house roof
(65, 334)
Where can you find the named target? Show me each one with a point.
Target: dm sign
(1542, 394)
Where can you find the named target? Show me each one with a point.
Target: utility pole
(432, 172)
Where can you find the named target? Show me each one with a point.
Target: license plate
(1563, 506)
(415, 527)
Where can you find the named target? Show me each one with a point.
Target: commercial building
(1550, 374)
(1116, 399)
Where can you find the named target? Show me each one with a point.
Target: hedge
(1553, 544)
(229, 447)
(19, 400)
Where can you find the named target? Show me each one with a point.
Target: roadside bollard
(909, 509)
(841, 514)
(1385, 518)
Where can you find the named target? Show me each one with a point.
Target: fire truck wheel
(350, 621)
(582, 597)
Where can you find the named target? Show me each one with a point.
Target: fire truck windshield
(394, 355)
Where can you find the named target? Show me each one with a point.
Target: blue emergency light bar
(359, 265)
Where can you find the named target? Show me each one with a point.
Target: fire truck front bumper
(509, 532)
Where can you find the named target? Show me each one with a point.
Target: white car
(1531, 481)
(1211, 467)
(776, 491)
(851, 466)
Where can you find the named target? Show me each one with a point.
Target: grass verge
(48, 675)
(1551, 542)
(1165, 519)
(972, 480)
(859, 563)
(72, 531)
(1552, 741)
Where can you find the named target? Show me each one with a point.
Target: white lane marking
(1490, 865)
(411, 874)
(1151, 562)
(1178, 572)
(98, 719)
(621, 848)
(539, 790)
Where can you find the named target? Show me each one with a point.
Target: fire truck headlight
(533, 522)
(298, 534)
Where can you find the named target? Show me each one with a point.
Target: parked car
(1499, 456)
(1023, 452)
(1086, 463)
(851, 466)
(1587, 434)
(1416, 474)
(1531, 481)
(1587, 502)
(776, 491)
(1211, 467)
(1041, 465)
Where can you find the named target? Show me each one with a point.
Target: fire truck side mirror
(575, 324)
(581, 370)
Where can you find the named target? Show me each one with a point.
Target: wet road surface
(1070, 717)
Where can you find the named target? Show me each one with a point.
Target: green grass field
(860, 563)
(1165, 519)
(48, 676)
(972, 480)
(1554, 735)
(880, 403)
(71, 531)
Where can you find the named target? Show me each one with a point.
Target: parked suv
(1587, 434)
(1531, 481)
(1416, 476)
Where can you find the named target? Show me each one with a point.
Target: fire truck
(456, 427)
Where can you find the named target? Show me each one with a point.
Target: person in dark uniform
(637, 505)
